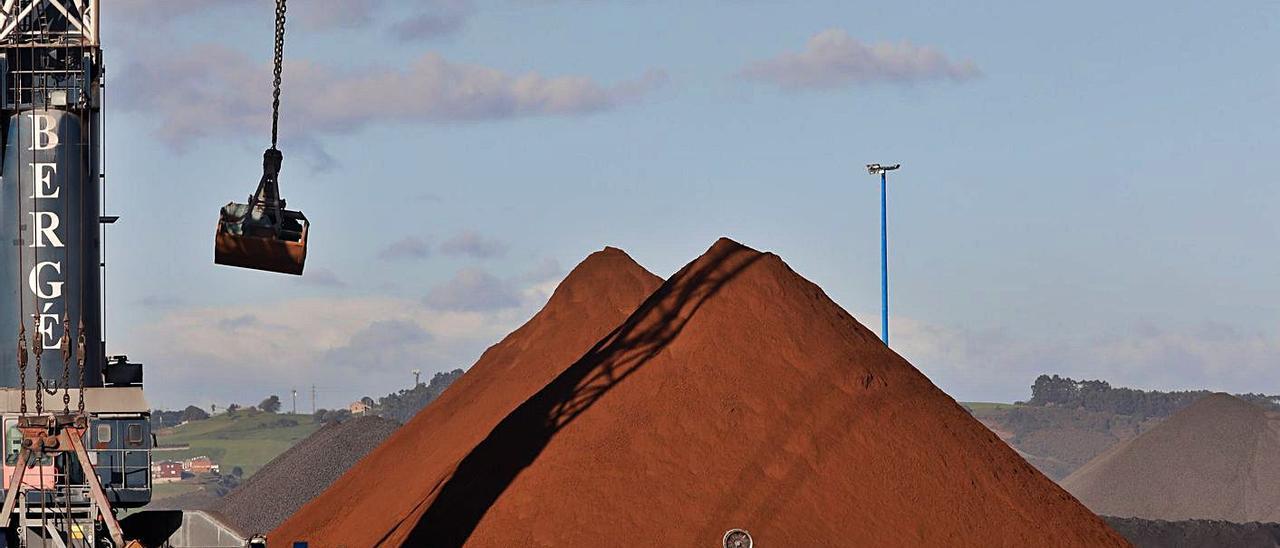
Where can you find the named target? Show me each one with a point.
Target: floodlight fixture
(877, 169)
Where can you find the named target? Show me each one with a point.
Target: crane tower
(76, 430)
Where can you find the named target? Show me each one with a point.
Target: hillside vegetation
(1096, 395)
(1067, 423)
(1058, 440)
(248, 439)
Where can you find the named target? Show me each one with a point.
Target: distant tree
(221, 485)
(232, 409)
(335, 415)
(164, 419)
(367, 401)
(1096, 395)
(237, 472)
(193, 413)
(271, 404)
(403, 405)
(1053, 390)
(319, 414)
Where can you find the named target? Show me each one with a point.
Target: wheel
(737, 538)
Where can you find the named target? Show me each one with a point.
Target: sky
(1087, 190)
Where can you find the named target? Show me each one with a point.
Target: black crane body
(74, 423)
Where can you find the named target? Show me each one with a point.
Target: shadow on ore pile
(516, 442)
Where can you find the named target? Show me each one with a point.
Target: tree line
(1098, 395)
(399, 406)
(403, 405)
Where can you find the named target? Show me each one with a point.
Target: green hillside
(248, 439)
(980, 406)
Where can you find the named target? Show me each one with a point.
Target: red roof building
(166, 471)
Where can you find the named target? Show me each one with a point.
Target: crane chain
(80, 345)
(279, 70)
(37, 348)
(22, 366)
(65, 345)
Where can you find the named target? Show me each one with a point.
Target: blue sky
(1087, 190)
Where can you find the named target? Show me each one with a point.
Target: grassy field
(166, 490)
(986, 406)
(248, 440)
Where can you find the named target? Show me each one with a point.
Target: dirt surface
(1218, 459)
(1196, 533)
(296, 476)
(738, 395)
(392, 484)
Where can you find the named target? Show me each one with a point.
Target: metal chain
(37, 348)
(65, 345)
(80, 344)
(22, 366)
(279, 69)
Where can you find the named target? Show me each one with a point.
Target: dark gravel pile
(304, 471)
(1200, 533)
(200, 499)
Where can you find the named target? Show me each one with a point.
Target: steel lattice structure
(49, 21)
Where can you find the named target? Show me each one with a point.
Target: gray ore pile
(1217, 459)
(1199, 533)
(296, 476)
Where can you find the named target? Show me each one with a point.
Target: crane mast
(50, 110)
(76, 428)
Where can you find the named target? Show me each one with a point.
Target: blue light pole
(877, 169)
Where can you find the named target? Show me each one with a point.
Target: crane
(262, 234)
(76, 430)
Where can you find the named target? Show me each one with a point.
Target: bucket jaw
(262, 234)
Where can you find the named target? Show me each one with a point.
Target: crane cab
(118, 441)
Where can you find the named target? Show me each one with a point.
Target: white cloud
(1000, 365)
(321, 277)
(407, 248)
(237, 323)
(409, 19)
(435, 19)
(213, 90)
(833, 59)
(349, 347)
(548, 269)
(392, 345)
(160, 301)
(151, 11)
(326, 14)
(1212, 356)
(473, 244)
(473, 290)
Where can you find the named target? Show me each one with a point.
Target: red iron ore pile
(388, 486)
(737, 395)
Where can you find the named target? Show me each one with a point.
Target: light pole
(877, 169)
